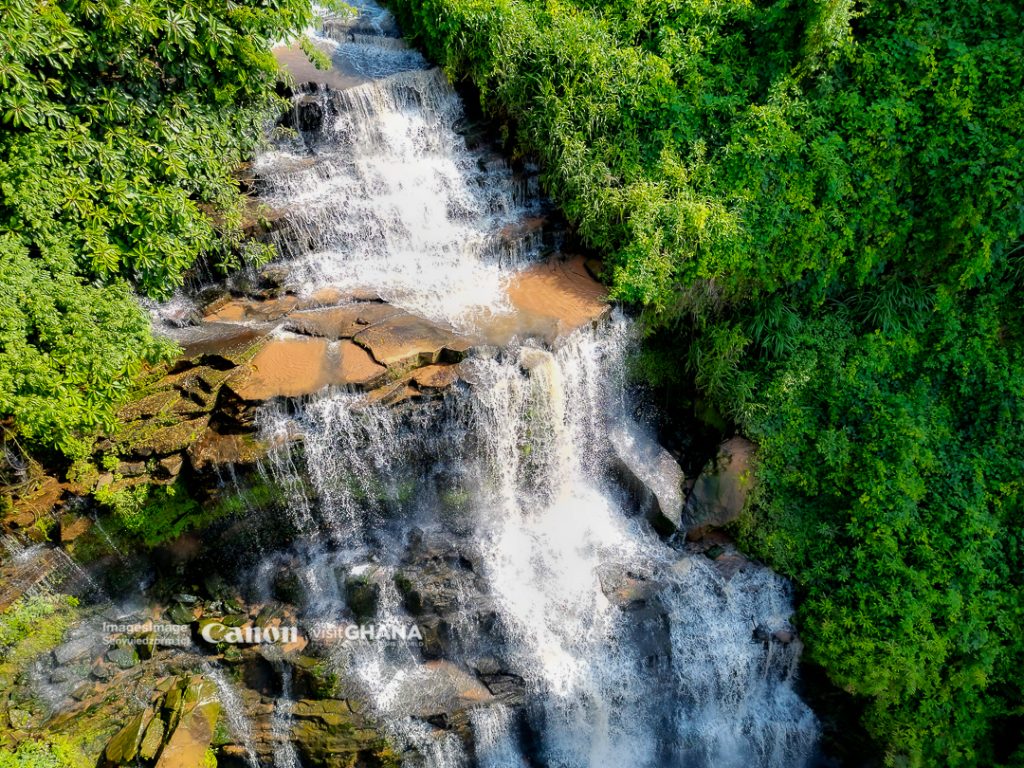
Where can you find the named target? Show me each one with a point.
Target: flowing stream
(600, 644)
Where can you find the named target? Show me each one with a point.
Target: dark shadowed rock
(721, 490)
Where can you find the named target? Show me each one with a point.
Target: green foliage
(33, 625)
(55, 752)
(69, 348)
(120, 126)
(151, 515)
(320, 59)
(818, 205)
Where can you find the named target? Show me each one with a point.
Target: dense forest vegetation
(819, 205)
(120, 127)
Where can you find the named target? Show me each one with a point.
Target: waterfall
(395, 202)
(562, 630)
(280, 724)
(239, 724)
(493, 738)
(30, 569)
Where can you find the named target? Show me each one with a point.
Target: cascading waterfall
(396, 203)
(280, 724)
(385, 196)
(239, 724)
(493, 738)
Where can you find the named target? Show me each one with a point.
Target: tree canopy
(120, 126)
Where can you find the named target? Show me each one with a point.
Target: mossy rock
(124, 657)
(124, 746)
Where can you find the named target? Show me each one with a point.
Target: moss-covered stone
(124, 746)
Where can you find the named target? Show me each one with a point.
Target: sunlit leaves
(120, 126)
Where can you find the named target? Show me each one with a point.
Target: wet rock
(124, 657)
(443, 694)
(508, 688)
(153, 739)
(362, 592)
(405, 341)
(253, 310)
(193, 727)
(274, 276)
(288, 587)
(558, 296)
(19, 718)
(721, 550)
(86, 690)
(267, 614)
(102, 672)
(215, 450)
(393, 394)
(145, 645)
(285, 368)
(627, 590)
(293, 367)
(74, 650)
(720, 493)
(435, 376)
(342, 322)
(212, 628)
(72, 526)
(310, 115)
(784, 636)
(436, 636)
(650, 469)
(330, 733)
(355, 366)
(124, 745)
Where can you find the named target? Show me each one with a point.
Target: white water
(396, 203)
(393, 201)
(238, 722)
(285, 755)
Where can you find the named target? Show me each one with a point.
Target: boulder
(193, 726)
(720, 493)
(331, 732)
(405, 341)
(362, 592)
(556, 297)
(342, 322)
(625, 589)
(75, 649)
(124, 745)
(652, 471)
(310, 115)
(169, 467)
